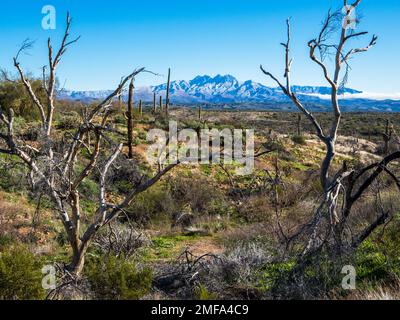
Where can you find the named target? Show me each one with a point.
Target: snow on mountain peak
(214, 90)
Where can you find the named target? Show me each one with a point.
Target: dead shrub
(256, 209)
(121, 240)
(385, 291)
(198, 192)
(239, 264)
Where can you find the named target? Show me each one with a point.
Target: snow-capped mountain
(206, 89)
(228, 91)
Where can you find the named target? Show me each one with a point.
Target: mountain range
(227, 91)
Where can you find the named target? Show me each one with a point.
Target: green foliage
(378, 260)
(142, 135)
(20, 275)
(89, 189)
(371, 265)
(5, 240)
(11, 176)
(120, 118)
(199, 193)
(167, 247)
(13, 95)
(62, 238)
(272, 273)
(194, 125)
(152, 204)
(69, 121)
(301, 140)
(275, 145)
(202, 293)
(115, 278)
(299, 166)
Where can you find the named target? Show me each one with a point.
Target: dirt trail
(205, 246)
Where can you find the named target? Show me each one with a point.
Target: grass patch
(168, 247)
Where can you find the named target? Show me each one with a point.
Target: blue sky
(195, 37)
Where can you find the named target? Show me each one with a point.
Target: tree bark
(78, 259)
(130, 120)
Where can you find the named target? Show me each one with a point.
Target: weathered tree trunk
(120, 104)
(77, 264)
(78, 257)
(84, 117)
(167, 102)
(129, 115)
(326, 164)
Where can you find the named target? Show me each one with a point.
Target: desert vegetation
(77, 193)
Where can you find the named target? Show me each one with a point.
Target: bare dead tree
(46, 111)
(341, 59)
(129, 116)
(328, 225)
(57, 170)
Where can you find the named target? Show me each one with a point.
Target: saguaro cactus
(167, 101)
(299, 125)
(387, 136)
(141, 107)
(154, 103)
(129, 116)
(161, 103)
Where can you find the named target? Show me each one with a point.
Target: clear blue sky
(195, 37)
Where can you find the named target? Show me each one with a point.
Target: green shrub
(379, 259)
(199, 193)
(5, 240)
(69, 121)
(89, 189)
(11, 177)
(202, 293)
(13, 95)
(20, 275)
(142, 135)
(115, 278)
(154, 204)
(299, 140)
(120, 118)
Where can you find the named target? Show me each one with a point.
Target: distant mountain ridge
(226, 89)
(206, 89)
